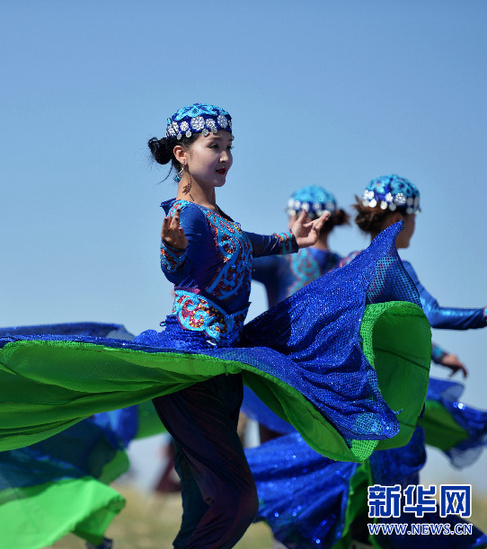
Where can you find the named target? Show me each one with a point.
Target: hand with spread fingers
(451, 361)
(307, 232)
(172, 233)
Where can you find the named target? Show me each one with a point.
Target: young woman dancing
(311, 358)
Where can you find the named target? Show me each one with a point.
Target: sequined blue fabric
(402, 466)
(93, 329)
(399, 465)
(310, 339)
(282, 276)
(311, 342)
(474, 421)
(299, 495)
(93, 448)
(120, 424)
(302, 495)
(452, 318)
(295, 329)
(83, 449)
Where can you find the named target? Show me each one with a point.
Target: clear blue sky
(329, 92)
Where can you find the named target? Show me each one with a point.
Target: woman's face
(404, 237)
(209, 158)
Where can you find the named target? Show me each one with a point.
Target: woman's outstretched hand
(307, 233)
(452, 362)
(172, 233)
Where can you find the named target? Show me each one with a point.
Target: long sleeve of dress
(437, 353)
(212, 275)
(178, 264)
(277, 243)
(445, 317)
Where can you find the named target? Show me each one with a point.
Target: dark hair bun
(370, 220)
(340, 217)
(159, 150)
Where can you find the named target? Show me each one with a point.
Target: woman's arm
(274, 244)
(182, 239)
(173, 243)
(307, 234)
(445, 317)
(301, 235)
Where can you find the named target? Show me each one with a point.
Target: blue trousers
(218, 490)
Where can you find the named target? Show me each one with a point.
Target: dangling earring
(179, 175)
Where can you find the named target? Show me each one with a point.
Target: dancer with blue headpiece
(457, 429)
(308, 499)
(387, 199)
(312, 358)
(282, 276)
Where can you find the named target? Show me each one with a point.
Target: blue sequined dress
(306, 357)
(451, 318)
(310, 501)
(282, 276)
(293, 356)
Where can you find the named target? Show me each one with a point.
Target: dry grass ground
(150, 522)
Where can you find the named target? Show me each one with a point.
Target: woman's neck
(189, 190)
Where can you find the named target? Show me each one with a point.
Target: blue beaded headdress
(313, 199)
(198, 118)
(392, 192)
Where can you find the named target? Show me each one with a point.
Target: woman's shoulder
(176, 203)
(188, 209)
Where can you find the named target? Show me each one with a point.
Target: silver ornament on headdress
(392, 192)
(313, 199)
(198, 118)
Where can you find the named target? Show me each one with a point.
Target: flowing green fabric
(91, 378)
(50, 511)
(403, 376)
(441, 429)
(60, 486)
